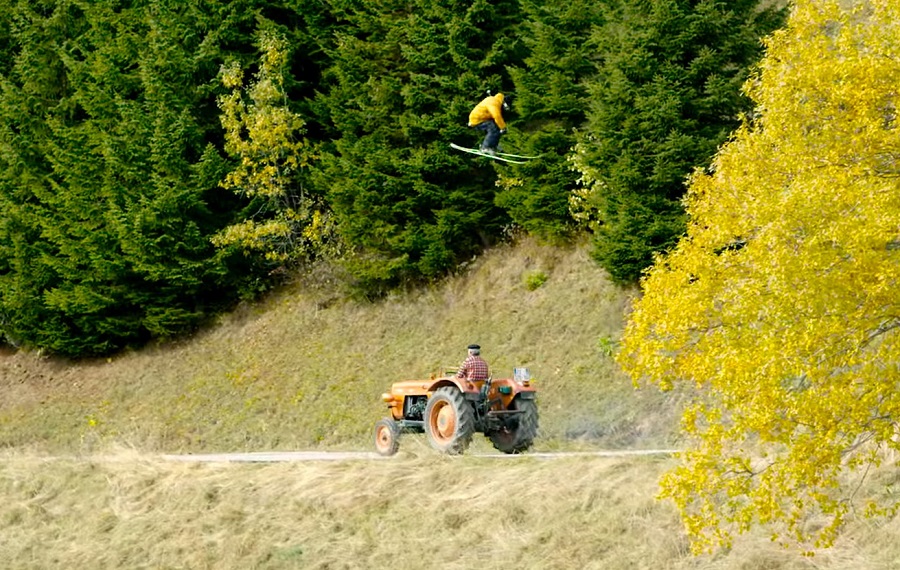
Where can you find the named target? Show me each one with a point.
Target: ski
(516, 155)
(499, 156)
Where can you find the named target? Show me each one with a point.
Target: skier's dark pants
(492, 138)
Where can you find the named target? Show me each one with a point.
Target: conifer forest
(161, 160)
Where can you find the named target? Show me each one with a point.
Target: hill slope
(306, 368)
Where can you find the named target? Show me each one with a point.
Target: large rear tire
(449, 421)
(518, 435)
(387, 437)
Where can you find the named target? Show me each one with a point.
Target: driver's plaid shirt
(473, 368)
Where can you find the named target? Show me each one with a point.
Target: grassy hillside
(306, 368)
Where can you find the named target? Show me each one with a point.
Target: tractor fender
(507, 390)
(461, 384)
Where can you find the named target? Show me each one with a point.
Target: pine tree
(124, 252)
(33, 81)
(666, 94)
(403, 79)
(105, 178)
(550, 102)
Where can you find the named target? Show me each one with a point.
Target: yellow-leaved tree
(779, 311)
(263, 133)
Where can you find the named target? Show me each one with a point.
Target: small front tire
(387, 437)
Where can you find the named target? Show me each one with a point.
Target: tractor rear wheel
(387, 437)
(449, 421)
(519, 432)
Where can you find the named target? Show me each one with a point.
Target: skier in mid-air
(488, 116)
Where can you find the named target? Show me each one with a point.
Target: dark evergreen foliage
(549, 104)
(404, 76)
(111, 145)
(109, 171)
(666, 94)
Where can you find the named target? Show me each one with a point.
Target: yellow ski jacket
(489, 108)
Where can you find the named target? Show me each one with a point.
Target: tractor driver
(474, 368)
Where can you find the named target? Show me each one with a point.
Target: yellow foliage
(589, 191)
(779, 310)
(262, 131)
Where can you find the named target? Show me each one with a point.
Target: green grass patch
(535, 279)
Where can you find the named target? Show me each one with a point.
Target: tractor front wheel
(387, 437)
(449, 421)
(520, 430)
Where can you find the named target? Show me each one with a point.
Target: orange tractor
(450, 410)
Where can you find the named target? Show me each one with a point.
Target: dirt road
(273, 456)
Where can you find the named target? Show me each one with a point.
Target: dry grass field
(415, 511)
(83, 483)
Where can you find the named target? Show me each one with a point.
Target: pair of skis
(502, 156)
